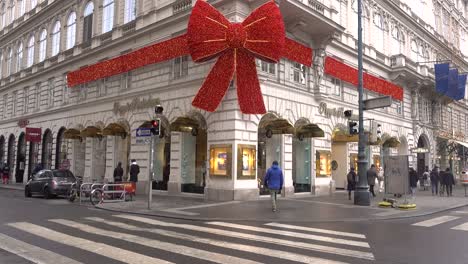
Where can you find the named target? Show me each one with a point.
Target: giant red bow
(211, 35)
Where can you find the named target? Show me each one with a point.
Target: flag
(441, 77)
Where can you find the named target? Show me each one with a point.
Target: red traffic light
(154, 123)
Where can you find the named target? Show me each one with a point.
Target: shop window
(180, 67)
(376, 161)
(220, 161)
(353, 161)
(246, 162)
(323, 163)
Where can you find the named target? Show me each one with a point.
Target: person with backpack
(274, 182)
(351, 177)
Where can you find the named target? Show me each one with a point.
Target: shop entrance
(47, 149)
(79, 150)
(422, 155)
(341, 161)
(2, 151)
(118, 135)
(21, 158)
(194, 143)
(270, 141)
(98, 152)
(60, 150)
(11, 151)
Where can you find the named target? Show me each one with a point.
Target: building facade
(224, 155)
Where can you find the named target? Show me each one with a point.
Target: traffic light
(348, 113)
(155, 127)
(353, 128)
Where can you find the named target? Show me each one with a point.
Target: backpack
(350, 177)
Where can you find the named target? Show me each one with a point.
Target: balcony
(310, 16)
(181, 6)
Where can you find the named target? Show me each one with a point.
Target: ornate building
(224, 155)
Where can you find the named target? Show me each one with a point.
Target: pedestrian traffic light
(348, 113)
(155, 127)
(352, 127)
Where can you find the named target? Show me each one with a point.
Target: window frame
(55, 39)
(129, 11)
(71, 30)
(43, 45)
(30, 51)
(19, 57)
(108, 9)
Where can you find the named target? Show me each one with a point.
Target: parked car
(50, 183)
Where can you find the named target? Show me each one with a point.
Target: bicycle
(117, 192)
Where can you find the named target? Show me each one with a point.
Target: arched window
(2, 16)
(130, 11)
(107, 16)
(19, 57)
(414, 51)
(56, 38)
(379, 33)
(22, 7)
(396, 41)
(33, 4)
(88, 22)
(71, 30)
(9, 61)
(11, 12)
(42, 45)
(31, 43)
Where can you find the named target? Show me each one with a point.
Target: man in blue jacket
(274, 182)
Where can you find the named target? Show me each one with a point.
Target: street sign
(33, 134)
(143, 140)
(143, 132)
(379, 102)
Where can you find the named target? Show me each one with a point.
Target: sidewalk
(13, 186)
(300, 208)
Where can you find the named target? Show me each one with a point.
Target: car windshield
(65, 175)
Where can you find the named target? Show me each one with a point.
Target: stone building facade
(224, 155)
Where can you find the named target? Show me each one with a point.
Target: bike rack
(120, 190)
(87, 187)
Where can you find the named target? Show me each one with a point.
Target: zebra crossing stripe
(316, 230)
(174, 248)
(258, 238)
(293, 234)
(107, 251)
(462, 227)
(218, 243)
(436, 221)
(32, 253)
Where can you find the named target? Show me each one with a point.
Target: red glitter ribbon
(210, 35)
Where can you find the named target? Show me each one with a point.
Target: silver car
(50, 183)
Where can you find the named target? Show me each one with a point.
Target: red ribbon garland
(211, 35)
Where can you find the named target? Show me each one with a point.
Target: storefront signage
(136, 104)
(329, 112)
(458, 135)
(33, 134)
(23, 123)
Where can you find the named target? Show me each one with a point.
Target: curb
(349, 220)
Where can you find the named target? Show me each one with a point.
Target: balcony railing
(181, 5)
(317, 6)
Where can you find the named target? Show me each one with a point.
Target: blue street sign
(143, 132)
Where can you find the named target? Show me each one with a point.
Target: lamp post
(361, 195)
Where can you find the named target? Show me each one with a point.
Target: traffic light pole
(361, 195)
(151, 173)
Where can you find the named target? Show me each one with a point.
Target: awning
(72, 134)
(184, 124)
(391, 142)
(91, 131)
(309, 131)
(462, 143)
(114, 130)
(278, 126)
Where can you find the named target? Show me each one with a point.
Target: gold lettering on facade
(137, 103)
(329, 112)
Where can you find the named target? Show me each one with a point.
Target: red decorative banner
(33, 134)
(349, 74)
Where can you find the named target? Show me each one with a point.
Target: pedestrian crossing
(451, 221)
(136, 239)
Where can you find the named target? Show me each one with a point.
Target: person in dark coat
(449, 181)
(134, 170)
(435, 180)
(413, 180)
(5, 174)
(442, 182)
(274, 182)
(371, 176)
(37, 168)
(118, 172)
(351, 177)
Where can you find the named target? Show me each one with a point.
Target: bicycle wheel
(96, 196)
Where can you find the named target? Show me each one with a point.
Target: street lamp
(361, 195)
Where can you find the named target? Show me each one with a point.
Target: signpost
(33, 134)
(379, 102)
(143, 136)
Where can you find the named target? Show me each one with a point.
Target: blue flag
(461, 87)
(452, 84)
(441, 77)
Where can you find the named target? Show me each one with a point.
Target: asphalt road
(35, 230)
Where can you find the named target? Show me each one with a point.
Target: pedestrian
(134, 170)
(6, 174)
(371, 176)
(274, 182)
(442, 183)
(118, 172)
(449, 181)
(351, 182)
(413, 181)
(380, 179)
(424, 178)
(435, 180)
(37, 169)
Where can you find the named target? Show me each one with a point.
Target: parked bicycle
(116, 192)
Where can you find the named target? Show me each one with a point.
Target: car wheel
(47, 194)
(27, 192)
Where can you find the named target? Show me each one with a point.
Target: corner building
(224, 155)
